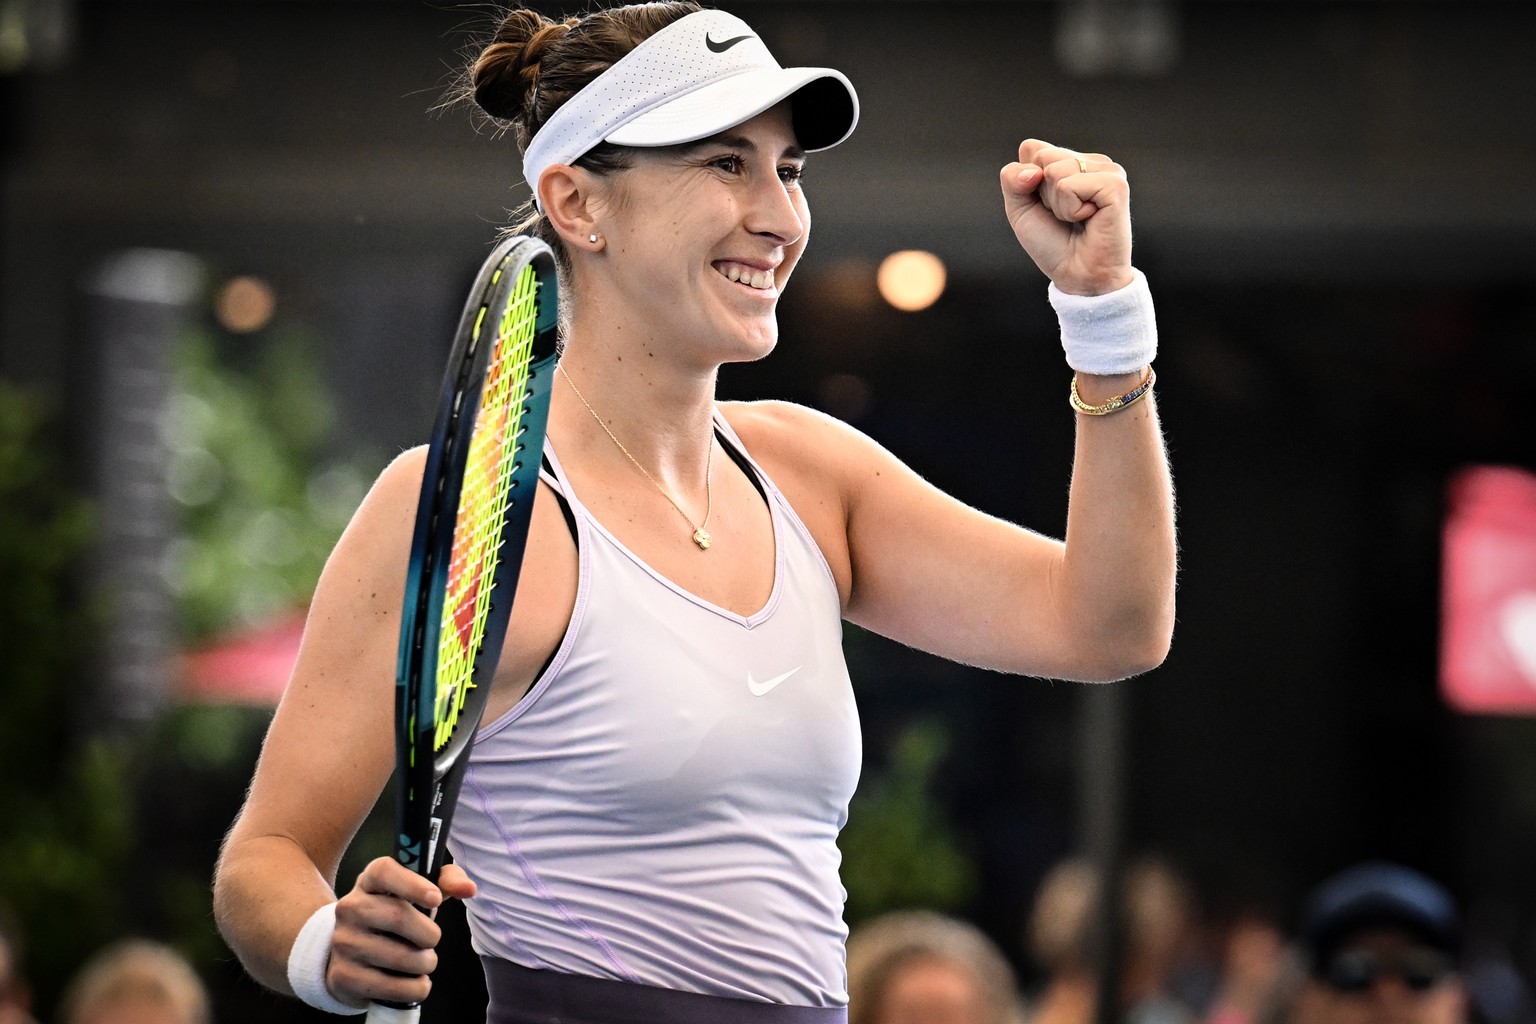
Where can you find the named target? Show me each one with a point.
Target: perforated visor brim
(823, 105)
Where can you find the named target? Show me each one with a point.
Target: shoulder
(817, 462)
(381, 526)
(795, 441)
(404, 471)
(773, 416)
(795, 435)
(399, 483)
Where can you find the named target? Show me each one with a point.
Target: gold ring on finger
(1082, 165)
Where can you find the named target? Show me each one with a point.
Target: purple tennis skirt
(520, 995)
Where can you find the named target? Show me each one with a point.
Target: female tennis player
(647, 830)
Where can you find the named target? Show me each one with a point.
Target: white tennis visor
(697, 77)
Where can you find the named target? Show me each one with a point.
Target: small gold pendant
(702, 538)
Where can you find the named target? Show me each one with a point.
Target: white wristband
(1111, 333)
(308, 959)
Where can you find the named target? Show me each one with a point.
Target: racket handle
(378, 1013)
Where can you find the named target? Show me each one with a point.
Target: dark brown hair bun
(532, 65)
(506, 73)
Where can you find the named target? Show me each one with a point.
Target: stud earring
(592, 239)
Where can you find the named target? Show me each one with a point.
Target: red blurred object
(249, 667)
(1488, 611)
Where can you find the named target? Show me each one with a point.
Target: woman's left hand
(1071, 213)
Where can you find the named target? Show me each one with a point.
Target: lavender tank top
(663, 806)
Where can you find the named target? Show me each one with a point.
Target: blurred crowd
(134, 981)
(1379, 943)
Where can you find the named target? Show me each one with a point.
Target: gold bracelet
(1131, 397)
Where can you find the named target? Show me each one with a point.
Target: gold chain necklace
(701, 536)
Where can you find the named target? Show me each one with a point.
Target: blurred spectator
(1382, 945)
(1156, 915)
(919, 967)
(15, 996)
(1260, 975)
(1497, 992)
(136, 982)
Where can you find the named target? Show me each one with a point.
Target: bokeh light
(245, 304)
(911, 279)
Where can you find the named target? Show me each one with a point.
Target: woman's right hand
(384, 946)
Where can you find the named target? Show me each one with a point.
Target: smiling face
(700, 239)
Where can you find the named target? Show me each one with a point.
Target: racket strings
(487, 491)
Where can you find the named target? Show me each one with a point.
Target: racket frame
(427, 779)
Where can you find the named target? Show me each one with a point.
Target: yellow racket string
(483, 504)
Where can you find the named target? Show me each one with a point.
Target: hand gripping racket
(471, 527)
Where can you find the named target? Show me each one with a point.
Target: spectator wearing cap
(1382, 945)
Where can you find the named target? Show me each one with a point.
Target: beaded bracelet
(1131, 397)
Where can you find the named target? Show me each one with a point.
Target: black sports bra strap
(741, 462)
(725, 443)
(565, 505)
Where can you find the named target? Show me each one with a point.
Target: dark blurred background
(235, 239)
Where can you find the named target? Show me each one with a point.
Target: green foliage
(260, 507)
(116, 834)
(898, 850)
(66, 805)
(259, 511)
(204, 754)
(44, 528)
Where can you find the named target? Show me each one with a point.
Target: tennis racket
(472, 519)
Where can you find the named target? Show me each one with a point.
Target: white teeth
(758, 279)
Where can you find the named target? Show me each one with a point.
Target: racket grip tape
(380, 1014)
